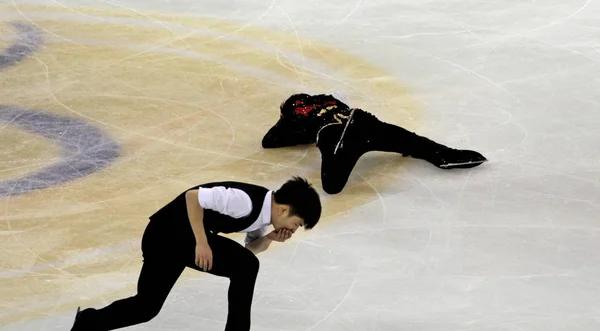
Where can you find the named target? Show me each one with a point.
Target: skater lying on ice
(344, 134)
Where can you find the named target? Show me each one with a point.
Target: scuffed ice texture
(85, 149)
(511, 246)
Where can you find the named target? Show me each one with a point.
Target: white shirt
(237, 204)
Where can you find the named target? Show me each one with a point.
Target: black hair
(302, 198)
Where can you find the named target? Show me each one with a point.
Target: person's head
(295, 204)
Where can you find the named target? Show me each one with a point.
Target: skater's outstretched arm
(286, 133)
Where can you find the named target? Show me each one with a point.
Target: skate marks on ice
(213, 88)
(28, 41)
(85, 148)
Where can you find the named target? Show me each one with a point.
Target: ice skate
(455, 159)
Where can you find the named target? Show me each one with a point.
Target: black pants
(366, 133)
(342, 146)
(164, 261)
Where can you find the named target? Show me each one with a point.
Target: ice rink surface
(110, 109)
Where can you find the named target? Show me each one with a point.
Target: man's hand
(280, 235)
(204, 257)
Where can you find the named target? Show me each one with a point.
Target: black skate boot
(457, 158)
(385, 137)
(442, 156)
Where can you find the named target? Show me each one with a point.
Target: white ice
(511, 246)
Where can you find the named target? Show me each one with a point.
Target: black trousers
(164, 261)
(366, 133)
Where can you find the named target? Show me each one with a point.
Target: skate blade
(469, 164)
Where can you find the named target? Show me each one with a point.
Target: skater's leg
(367, 133)
(240, 265)
(337, 161)
(157, 277)
(341, 147)
(393, 138)
(160, 271)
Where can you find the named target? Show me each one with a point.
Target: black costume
(168, 247)
(344, 134)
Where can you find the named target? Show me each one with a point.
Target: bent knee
(147, 309)
(255, 263)
(149, 312)
(248, 266)
(252, 265)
